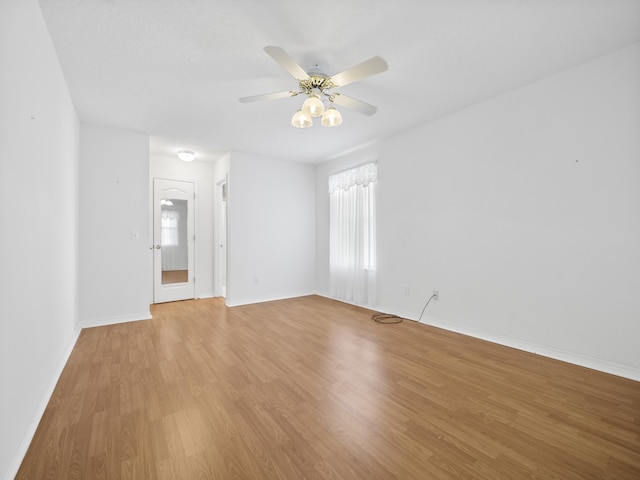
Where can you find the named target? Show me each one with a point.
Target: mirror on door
(173, 241)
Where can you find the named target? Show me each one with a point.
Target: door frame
(220, 232)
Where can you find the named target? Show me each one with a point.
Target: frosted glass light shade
(186, 155)
(331, 118)
(301, 120)
(313, 106)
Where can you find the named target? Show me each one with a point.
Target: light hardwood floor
(175, 276)
(310, 388)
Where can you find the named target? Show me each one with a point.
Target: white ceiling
(174, 69)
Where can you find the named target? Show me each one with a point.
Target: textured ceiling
(174, 69)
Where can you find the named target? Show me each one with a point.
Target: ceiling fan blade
(269, 96)
(362, 70)
(288, 63)
(353, 104)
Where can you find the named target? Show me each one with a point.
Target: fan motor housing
(316, 81)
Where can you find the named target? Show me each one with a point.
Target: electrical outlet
(405, 289)
(436, 295)
(255, 280)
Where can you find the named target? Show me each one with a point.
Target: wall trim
(605, 366)
(600, 365)
(373, 308)
(14, 459)
(100, 322)
(267, 299)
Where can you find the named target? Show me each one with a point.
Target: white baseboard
(206, 295)
(100, 322)
(604, 366)
(366, 307)
(14, 459)
(266, 299)
(395, 311)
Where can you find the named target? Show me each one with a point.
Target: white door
(221, 239)
(173, 240)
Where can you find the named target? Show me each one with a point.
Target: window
(352, 231)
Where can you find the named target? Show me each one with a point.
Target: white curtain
(169, 227)
(172, 250)
(352, 230)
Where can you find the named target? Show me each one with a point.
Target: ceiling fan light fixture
(313, 106)
(301, 120)
(186, 155)
(331, 118)
(316, 86)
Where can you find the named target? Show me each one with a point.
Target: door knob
(158, 247)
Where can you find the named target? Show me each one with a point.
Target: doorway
(173, 240)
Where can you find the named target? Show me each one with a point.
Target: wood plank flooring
(309, 388)
(175, 276)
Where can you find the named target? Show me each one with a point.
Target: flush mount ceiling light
(186, 155)
(316, 85)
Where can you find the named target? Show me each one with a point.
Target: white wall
(202, 174)
(114, 204)
(271, 229)
(524, 212)
(38, 218)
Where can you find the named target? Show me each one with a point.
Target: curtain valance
(362, 175)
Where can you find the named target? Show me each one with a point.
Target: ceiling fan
(316, 86)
